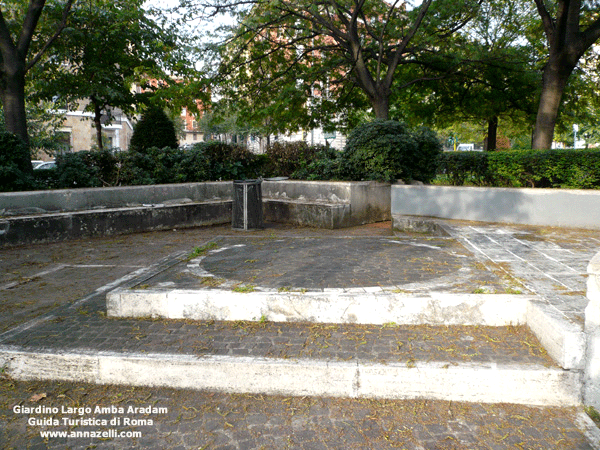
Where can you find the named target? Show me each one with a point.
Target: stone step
(457, 363)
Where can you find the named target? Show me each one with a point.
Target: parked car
(465, 147)
(35, 163)
(46, 165)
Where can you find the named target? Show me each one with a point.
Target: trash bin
(247, 211)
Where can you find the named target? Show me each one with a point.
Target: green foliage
(325, 165)
(154, 130)
(12, 177)
(463, 168)
(300, 161)
(574, 169)
(76, 170)
(230, 161)
(388, 150)
(426, 158)
(160, 166)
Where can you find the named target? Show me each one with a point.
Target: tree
(110, 46)
(15, 45)
(494, 82)
(304, 52)
(571, 28)
(155, 129)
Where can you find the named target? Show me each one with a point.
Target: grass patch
(244, 289)
(201, 251)
(284, 289)
(211, 281)
(593, 413)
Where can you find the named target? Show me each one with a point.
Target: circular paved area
(332, 263)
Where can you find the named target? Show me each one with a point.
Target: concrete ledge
(71, 225)
(592, 333)
(491, 383)
(115, 197)
(365, 306)
(44, 216)
(326, 204)
(548, 207)
(563, 340)
(418, 225)
(320, 215)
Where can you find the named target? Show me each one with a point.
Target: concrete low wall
(550, 207)
(45, 216)
(113, 197)
(55, 227)
(591, 393)
(326, 204)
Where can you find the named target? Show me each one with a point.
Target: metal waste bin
(247, 205)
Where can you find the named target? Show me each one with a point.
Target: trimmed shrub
(288, 157)
(154, 130)
(76, 170)
(387, 150)
(575, 169)
(324, 164)
(12, 176)
(153, 166)
(460, 168)
(426, 159)
(230, 161)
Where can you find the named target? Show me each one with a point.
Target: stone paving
(552, 264)
(411, 264)
(70, 280)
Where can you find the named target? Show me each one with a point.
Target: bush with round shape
(154, 130)
(13, 177)
(386, 150)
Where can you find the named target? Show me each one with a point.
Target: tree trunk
(554, 80)
(12, 93)
(492, 134)
(381, 105)
(98, 124)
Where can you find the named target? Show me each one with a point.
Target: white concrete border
(360, 305)
(564, 341)
(471, 382)
(592, 331)
(549, 207)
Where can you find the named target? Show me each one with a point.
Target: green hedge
(204, 162)
(300, 161)
(463, 168)
(209, 161)
(573, 169)
(386, 150)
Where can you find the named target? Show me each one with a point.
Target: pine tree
(154, 129)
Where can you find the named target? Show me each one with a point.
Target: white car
(45, 165)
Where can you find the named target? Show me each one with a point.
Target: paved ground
(70, 279)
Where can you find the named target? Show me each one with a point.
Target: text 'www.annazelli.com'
(91, 434)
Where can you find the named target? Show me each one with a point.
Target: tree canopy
(298, 61)
(22, 45)
(109, 48)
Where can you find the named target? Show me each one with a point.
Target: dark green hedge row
(205, 162)
(574, 169)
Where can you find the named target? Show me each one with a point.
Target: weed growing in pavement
(593, 413)
(211, 281)
(290, 289)
(201, 251)
(244, 289)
